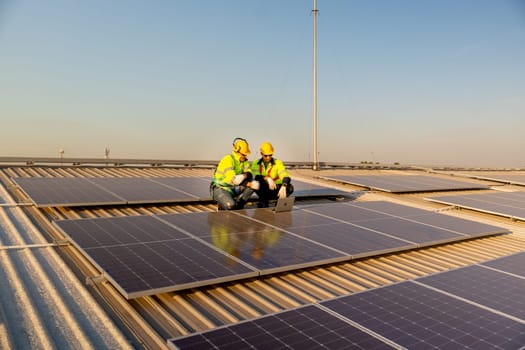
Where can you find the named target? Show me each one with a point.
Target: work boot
(240, 204)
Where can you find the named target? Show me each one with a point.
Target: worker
(274, 180)
(233, 184)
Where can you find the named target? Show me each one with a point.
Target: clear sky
(434, 82)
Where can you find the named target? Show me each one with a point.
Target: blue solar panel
(493, 289)
(304, 328)
(514, 264)
(66, 191)
(417, 317)
(405, 183)
(509, 204)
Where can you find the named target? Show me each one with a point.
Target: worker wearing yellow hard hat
(274, 179)
(232, 183)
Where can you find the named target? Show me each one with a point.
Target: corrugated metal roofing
(57, 299)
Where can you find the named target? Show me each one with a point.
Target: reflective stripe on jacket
(275, 169)
(229, 166)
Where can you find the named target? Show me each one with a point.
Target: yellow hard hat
(267, 148)
(241, 146)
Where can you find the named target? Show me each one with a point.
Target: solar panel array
(508, 204)
(147, 255)
(475, 307)
(405, 183)
(69, 192)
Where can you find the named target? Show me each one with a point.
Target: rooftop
(55, 297)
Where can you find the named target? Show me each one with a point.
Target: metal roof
(57, 299)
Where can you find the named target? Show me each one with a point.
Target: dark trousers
(265, 194)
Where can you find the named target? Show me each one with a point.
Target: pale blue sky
(435, 82)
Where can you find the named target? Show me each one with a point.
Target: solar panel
(144, 256)
(196, 188)
(303, 328)
(508, 204)
(356, 242)
(305, 189)
(515, 179)
(405, 183)
(417, 317)
(493, 289)
(514, 264)
(264, 247)
(65, 191)
(139, 190)
(405, 223)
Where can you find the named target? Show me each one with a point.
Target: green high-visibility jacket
(229, 166)
(275, 169)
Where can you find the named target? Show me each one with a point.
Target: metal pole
(316, 161)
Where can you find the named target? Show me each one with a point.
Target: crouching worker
(275, 182)
(233, 183)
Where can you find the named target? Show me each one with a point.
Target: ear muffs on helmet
(236, 144)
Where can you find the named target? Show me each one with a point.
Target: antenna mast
(316, 161)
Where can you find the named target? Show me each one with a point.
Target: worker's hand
(238, 179)
(271, 184)
(254, 185)
(282, 192)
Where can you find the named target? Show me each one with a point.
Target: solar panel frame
(405, 183)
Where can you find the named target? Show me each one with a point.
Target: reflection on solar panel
(474, 307)
(212, 247)
(405, 183)
(499, 291)
(509, 204)
(308, 327)
(266, 248)
(514, 264)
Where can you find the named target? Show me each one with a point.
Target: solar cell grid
(414, 316)
(509, 204)
(514, 264)
(196, 188)
(89, 233)
(66, 191)
(354, 241)
(208, 223)
(405, 183)
(484, 286)
(304, 328)
(156, 267)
